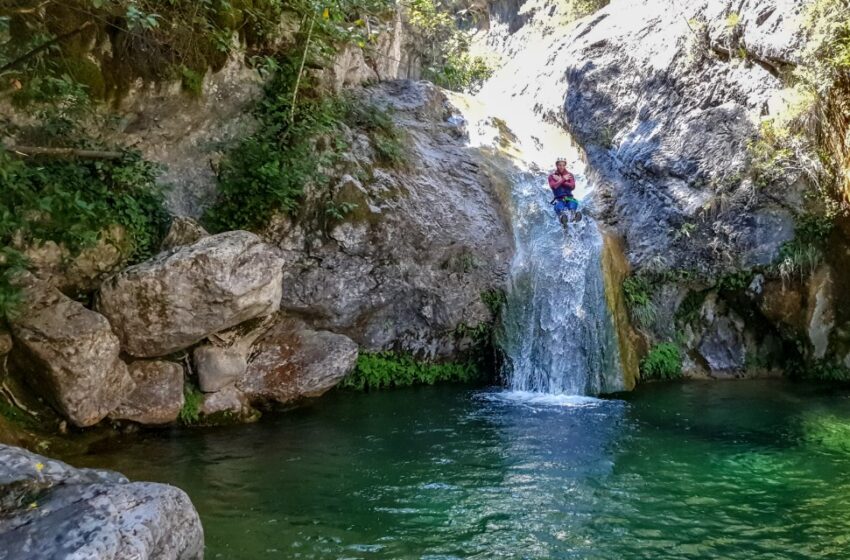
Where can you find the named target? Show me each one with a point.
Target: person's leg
(560, 206)
(572, 204)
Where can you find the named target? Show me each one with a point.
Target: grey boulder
(158, 396)
(49, 509)
(70, 354)
(178, 298)
(291, 362)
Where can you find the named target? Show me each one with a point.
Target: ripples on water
(700, 470)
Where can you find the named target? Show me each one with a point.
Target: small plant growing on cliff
(664, 361)
(637, 291)
(192, 400)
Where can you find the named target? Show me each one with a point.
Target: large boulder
(291, 362)
(49, 509)
(70, 355)
(179, 297)
(158, 396)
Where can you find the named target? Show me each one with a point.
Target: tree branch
(31, 151)
(43, 46)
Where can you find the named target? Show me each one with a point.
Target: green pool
(746, 469)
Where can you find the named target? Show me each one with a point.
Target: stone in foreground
(70, 354)
(49, 509)
(176, 299)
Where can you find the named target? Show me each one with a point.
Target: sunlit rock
(52, 510)
(177, 298)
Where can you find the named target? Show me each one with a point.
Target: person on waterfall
(562, 184)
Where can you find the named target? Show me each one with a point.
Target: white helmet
(560, 159)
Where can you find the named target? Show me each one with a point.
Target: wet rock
(722, 348)
(820, 317)
(158, 396)
(183, 231)
(178, 298)
(70, 355)
(291, 362)
(227, 405)
(49, 509)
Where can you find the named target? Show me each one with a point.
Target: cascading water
(556, 335)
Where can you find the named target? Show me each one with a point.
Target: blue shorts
(565, 204)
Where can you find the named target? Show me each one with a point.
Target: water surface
(692, 470)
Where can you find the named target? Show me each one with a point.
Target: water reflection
(696, 470)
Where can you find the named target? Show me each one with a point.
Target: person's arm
(570, 181)
(555, 180)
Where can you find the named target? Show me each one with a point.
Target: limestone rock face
(409, 264)
(51, 510)
(177, 298)
(291, 362)
(158, 396)
(70, 355)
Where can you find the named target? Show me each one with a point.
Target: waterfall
(557, 335)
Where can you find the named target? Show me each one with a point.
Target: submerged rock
(177, 298)
(70, 355)
(49, 509)
(158, 396)
(291, 362)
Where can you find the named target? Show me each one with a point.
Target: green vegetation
(388, 369)
(193, 399)
(638, 292)
(579, 8)
(664, 361)
(268, 171)
(495, 300)
(444, 48)
(73, 203)
(689, 310)
(149, 40)
(735, 281)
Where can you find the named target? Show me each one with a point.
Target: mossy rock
(88, 73)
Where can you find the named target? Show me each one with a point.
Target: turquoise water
(693, 470)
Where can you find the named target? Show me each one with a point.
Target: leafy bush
(388, 369)
(71, 203)
(443, 48)
(825, 370)
(298, 139)
(495, 300)
(664, 361)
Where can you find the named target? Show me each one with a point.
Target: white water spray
(557, 335)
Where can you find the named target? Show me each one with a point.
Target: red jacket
(564, 189)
